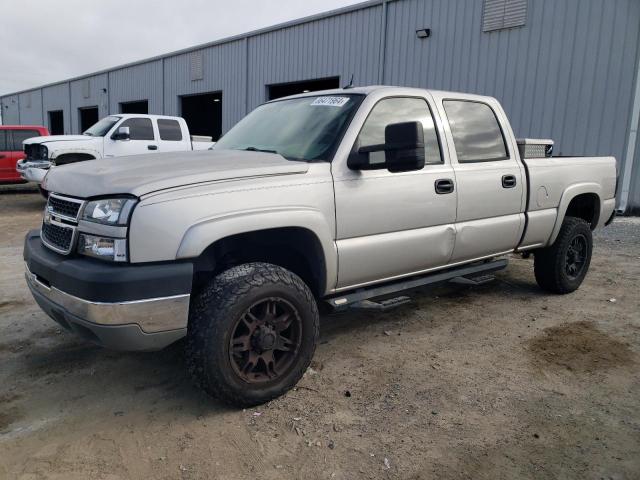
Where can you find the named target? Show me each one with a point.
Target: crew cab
(11, 138)
(113, 136)
(329, 199)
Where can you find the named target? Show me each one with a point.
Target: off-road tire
(213, 315)
(550, 262)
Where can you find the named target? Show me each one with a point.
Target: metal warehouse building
(563, 69)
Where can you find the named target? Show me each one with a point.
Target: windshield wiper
(255, 149)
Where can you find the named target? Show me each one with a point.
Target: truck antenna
(350, 85)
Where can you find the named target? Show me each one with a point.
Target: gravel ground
(490, 382)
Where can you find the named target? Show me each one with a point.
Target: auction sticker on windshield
(330, 101)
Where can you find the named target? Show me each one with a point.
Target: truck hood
(141, 174)
(58, 138)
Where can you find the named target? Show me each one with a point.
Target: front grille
(57, 236)
(35, 151)
(64, 207)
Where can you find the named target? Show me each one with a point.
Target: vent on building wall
(196, 66)
(499, 14)
(86, 89)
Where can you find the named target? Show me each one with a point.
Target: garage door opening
(139, 106)
(203, 114)
(88, 116)
(293, 88)
(56, 122)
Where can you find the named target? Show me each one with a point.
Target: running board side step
(475, 274)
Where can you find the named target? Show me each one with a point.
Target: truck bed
(554, 180)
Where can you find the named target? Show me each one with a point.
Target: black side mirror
(404, 146)
(122, 133)
(403, 150)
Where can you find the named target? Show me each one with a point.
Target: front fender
(569, 194)
(72, 150)
(207, 231)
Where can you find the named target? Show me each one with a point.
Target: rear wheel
(562, 267)
(252, 333)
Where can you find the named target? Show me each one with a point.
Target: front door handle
(152, 147)
(508, 181)
(2, 156)
(444, 185)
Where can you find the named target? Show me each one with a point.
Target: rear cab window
(476, 132)
(169, 130)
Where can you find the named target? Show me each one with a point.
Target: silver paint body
(373, 226)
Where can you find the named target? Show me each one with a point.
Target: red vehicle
(11, 138)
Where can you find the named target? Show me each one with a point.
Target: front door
(393, 224)
(142, 139)
(490, 181)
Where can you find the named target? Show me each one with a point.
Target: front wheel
(561, 268)
(252, 333)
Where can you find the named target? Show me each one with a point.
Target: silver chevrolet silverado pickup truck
(328, 199)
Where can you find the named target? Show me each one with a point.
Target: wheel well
(585, 206)
(67, 158)
(294, 248)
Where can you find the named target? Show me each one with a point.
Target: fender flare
(85, 151)
(569, 194)
(201, 235)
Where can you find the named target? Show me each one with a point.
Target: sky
(48, 41)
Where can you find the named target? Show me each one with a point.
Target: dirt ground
(490, 382)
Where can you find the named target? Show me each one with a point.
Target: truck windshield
(307, 128)
(101, 128)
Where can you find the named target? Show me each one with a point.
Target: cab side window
(398, 110)
(476, 132)
(20, 136)
(169, 130)
(3, 141)
(139, 128)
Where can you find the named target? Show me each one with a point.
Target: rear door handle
(444, 185)
(508, 181)
(152, 147)
(2, 156)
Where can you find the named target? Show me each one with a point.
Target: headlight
(113, 249)
(110, 211)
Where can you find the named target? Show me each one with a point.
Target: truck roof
(138, 115)
(389, 90)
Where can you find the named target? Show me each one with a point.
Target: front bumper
(33, 171)
(124, 307)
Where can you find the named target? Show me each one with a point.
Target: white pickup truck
(113, 136)
(333, 199)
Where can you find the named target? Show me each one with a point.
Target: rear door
(142, 139)
(171, 136)
(490, 179)
(15, 151)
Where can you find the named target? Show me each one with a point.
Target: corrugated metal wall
(137, 82)
(31, 107)
(335, 46)
(56, 97)
(568, 74)
(89, 92)
(223, 70)
(10, 109)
